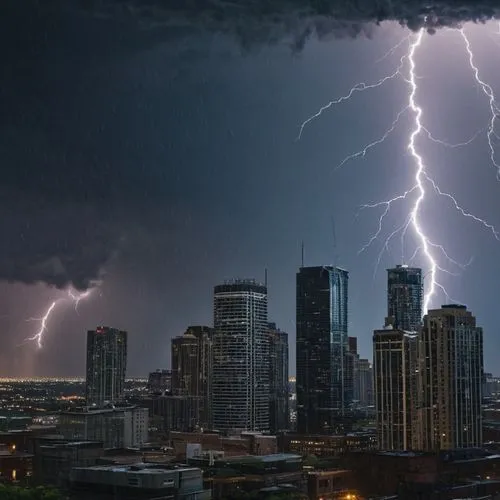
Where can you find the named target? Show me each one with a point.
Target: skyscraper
(322, 343)
(192, 369)
(404, 298)
(395, 358)
(364, 383)
(451, 376)
(351, 368)
(160, 381)
(106, 365)
(240, 381)
(278, 379)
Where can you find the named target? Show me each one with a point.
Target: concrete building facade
(240, 370)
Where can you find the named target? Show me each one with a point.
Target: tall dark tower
(192, 370)
(323, 391)
(405, 292)
(278, 379)
(106, 365)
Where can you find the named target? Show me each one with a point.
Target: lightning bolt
(75, 297)
(417, 192)
(494, 109)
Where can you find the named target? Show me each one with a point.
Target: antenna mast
(334, 235)
(302, 256)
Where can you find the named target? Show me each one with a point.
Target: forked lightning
(75, 297)
(417, 192)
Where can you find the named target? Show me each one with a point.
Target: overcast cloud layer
(36, 253)
(265, 21)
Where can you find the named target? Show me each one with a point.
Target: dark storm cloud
(59, 244)
(61, 228)
(267, 21)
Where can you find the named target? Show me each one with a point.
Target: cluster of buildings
(219, 423)
(234, 376)
(426, 381)
(428, 373)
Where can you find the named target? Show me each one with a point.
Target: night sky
(158, 158)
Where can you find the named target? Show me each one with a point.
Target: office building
(323, 387)
(404, 298)
(139, 481)
(278, 379)
(106, 365)
(351, 368)
(364, 383)
(116, 427)
(395, 368)
(192, 369)
(160, 381)
(451, 378)
(240, 380)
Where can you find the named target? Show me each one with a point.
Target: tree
(8, 492)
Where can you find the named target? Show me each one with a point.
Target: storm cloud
(48, 214)
(268, 21)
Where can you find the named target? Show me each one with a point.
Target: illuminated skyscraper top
(404, 298)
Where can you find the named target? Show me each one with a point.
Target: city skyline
(152, 169)
(400, 268)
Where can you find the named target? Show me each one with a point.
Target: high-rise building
(240, 372)
(323, 397)
(395, 367)
(351, 368)
(451, 378)
(160, 381)
(278, 379)
(192, 369)
(106, 365)
(364, 383)
(404, 298)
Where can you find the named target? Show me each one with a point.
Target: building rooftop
(276, 457)
(138, 468)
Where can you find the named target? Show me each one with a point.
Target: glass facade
(324, 390)
(278, 379)
(106, 365)
(191, 369)
(404, 298)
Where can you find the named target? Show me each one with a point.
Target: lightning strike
(380, 140)
(489, 93)
(393, 49)
(417, 193)
(43, 324)
(417, 110)
(72, 296)
(359, 87)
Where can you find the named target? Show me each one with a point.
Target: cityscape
(249, 250)
(227, 421)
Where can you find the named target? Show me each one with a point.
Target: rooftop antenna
(334, 235)
(265, 277)
(302, 259)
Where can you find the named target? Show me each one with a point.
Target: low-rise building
(15, 466)
(326, 446)
(55, 459)
(140, 481)
(247, 443)
(116, 427)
